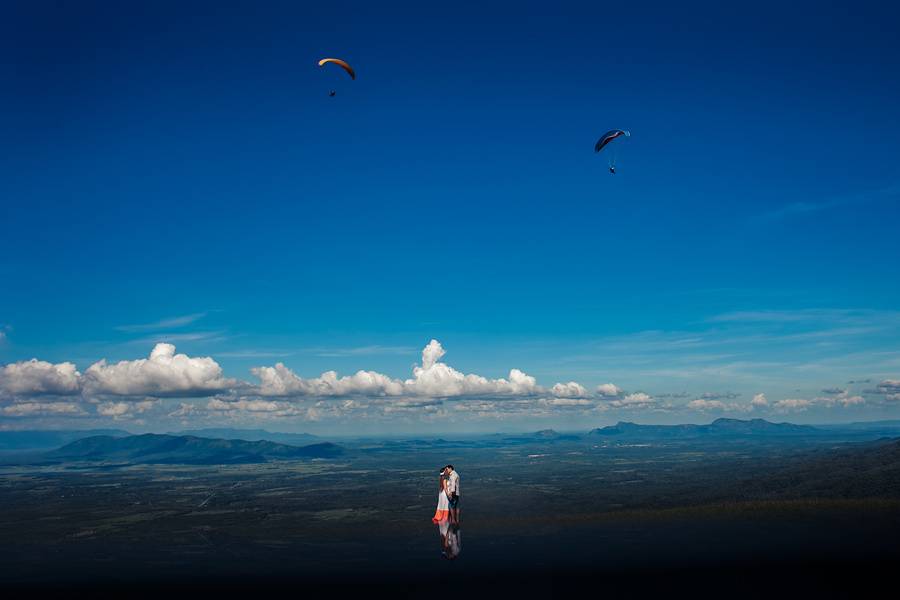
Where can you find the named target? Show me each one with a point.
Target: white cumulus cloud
(281, 381)
(432, 353)
(248, 405)
(844, 398)
(889, 386)
(37, 377)
(759, 400)
(569, 390)
(636, 400)
(258, 408)
(609, 389)
(851, 401)
(704, 404)
(568, 402)
(37, 409)
(124, 410)
(164, 373)
(431, 379)
(792, 404)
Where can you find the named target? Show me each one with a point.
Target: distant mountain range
(151, 448)
(544, 435)
(43, 439)
(886, 426)
(252, 435)
(228, 445)
(719, 427)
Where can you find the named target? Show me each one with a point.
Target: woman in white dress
(443, 506)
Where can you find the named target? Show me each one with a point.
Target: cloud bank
(430, 379)
(148, 387)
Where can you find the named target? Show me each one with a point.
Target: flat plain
(530, 505)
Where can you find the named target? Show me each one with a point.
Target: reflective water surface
(528, 514)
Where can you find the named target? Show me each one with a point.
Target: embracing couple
(448, 496)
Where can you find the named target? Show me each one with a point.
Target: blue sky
(179, 174)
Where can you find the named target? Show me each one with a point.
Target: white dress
(442, 513)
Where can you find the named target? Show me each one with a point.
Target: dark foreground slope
(863, 470)
(746, 519)
(183, 449)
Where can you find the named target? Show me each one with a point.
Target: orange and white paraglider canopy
(341, 63)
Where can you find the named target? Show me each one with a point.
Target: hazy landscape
(108, 509)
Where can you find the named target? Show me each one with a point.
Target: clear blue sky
(178, 172)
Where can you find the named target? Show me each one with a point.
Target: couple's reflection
(451, 542)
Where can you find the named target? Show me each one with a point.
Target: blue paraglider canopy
(608, 137)
(611, 154)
